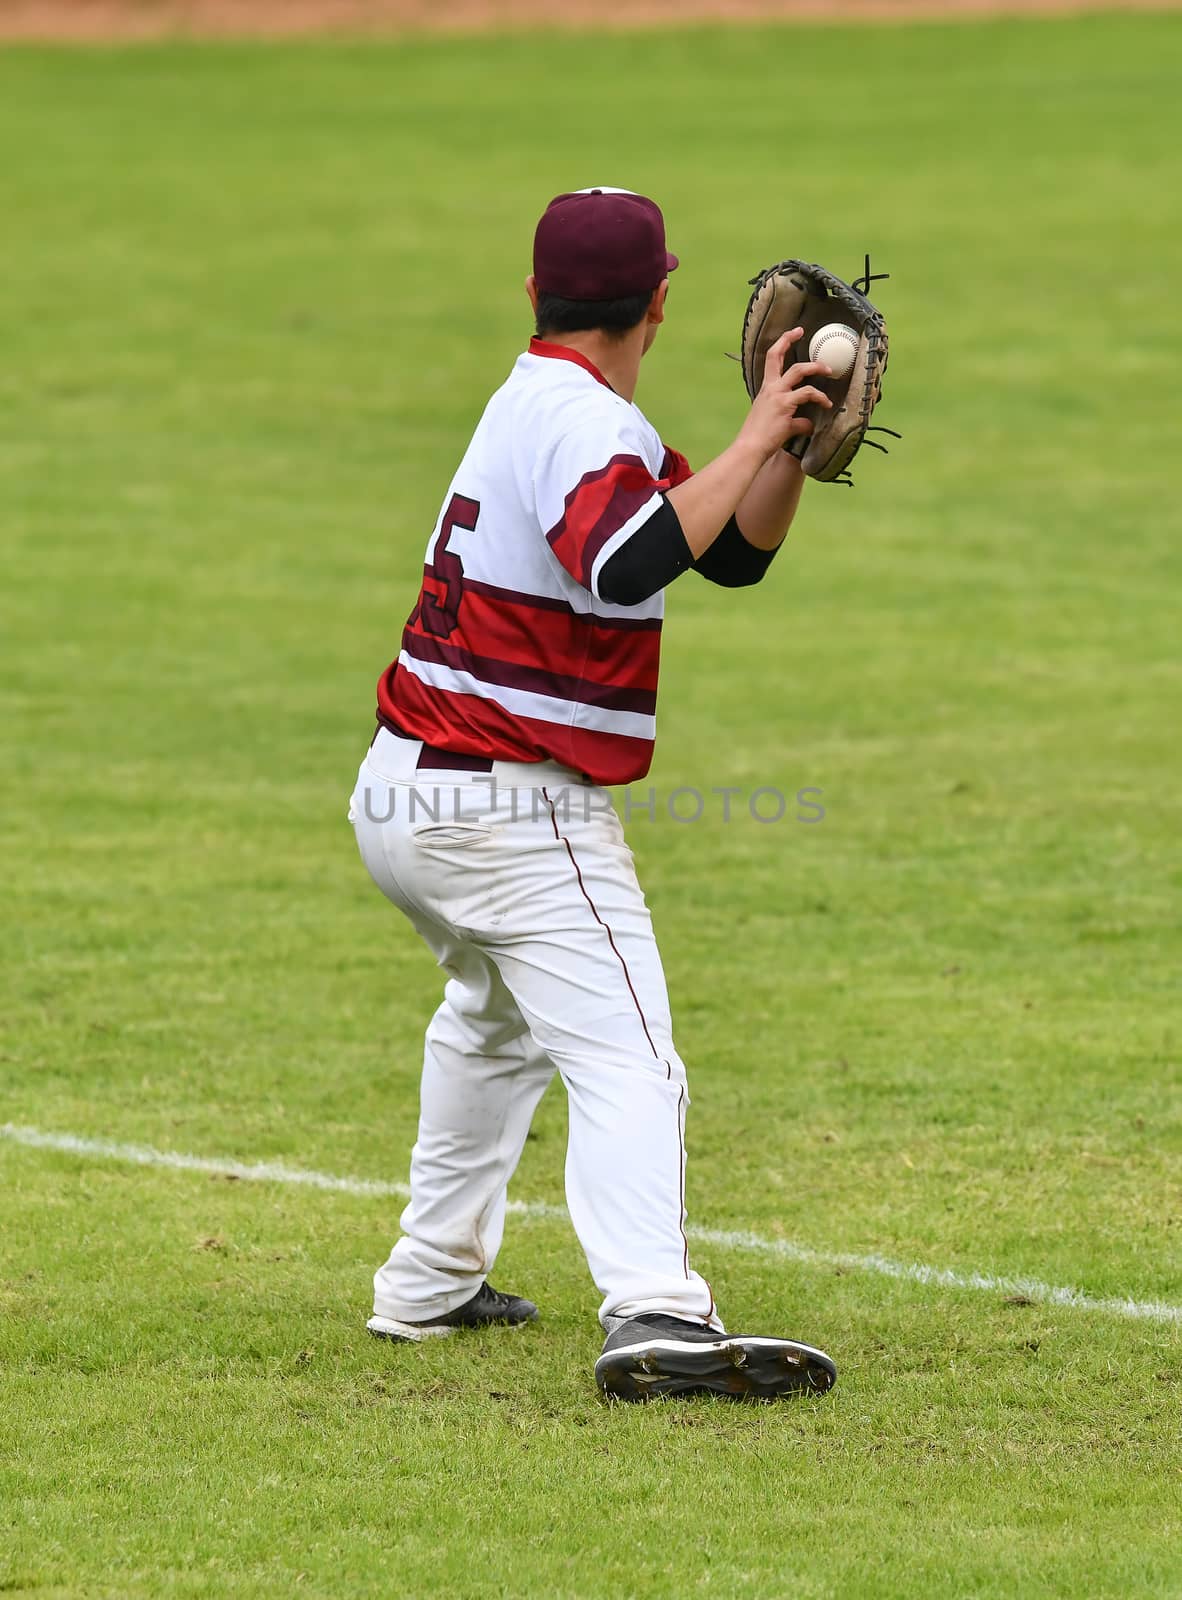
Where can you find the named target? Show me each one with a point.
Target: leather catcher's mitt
(801, 294)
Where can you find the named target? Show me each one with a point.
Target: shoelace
(496, 1298)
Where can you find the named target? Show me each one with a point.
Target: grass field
(252, 301)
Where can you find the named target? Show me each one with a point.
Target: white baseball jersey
(511, 653)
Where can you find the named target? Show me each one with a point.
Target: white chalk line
(1032, 1289)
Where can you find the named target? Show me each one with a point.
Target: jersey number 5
(439, 612)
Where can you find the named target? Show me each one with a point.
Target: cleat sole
(734, 1367)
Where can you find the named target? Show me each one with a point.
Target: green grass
(252, 301)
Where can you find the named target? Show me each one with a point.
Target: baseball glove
(799, 294)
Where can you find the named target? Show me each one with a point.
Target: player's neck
(617, 359)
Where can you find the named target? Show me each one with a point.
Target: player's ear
(656, 306)
(531, 289)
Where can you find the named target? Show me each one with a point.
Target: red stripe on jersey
(547, 602)
(471, 725)
(541, 645)
(675, 469)
(532, 679)
(596, 508)
(558, 639)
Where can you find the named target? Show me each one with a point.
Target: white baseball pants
(524, 889)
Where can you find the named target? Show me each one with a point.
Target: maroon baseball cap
(601, 244)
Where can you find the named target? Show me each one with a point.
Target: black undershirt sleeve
(731, 561)
(657, 553)
(654, 555)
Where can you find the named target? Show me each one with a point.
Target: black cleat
(657, 1355)
(488, 1307)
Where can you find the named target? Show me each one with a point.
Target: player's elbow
(734, 580)
(733, 563)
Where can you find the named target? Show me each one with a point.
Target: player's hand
(774, 416)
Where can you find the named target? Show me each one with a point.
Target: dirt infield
(144, 19)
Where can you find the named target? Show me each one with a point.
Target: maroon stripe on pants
(681, 1187)
(610, 936)
(640, 1013)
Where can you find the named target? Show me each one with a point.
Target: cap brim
(671, 261)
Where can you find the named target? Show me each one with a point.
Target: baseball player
(526, 682)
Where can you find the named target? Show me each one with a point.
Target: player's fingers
(807, 395)
(806, 369)
(773, 364)
(799, 425)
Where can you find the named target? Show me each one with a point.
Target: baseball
(835, 345)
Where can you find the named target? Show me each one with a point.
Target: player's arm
(745, 548)
(657, 552)
(766, 511)
(729, 519)
(746, 480)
